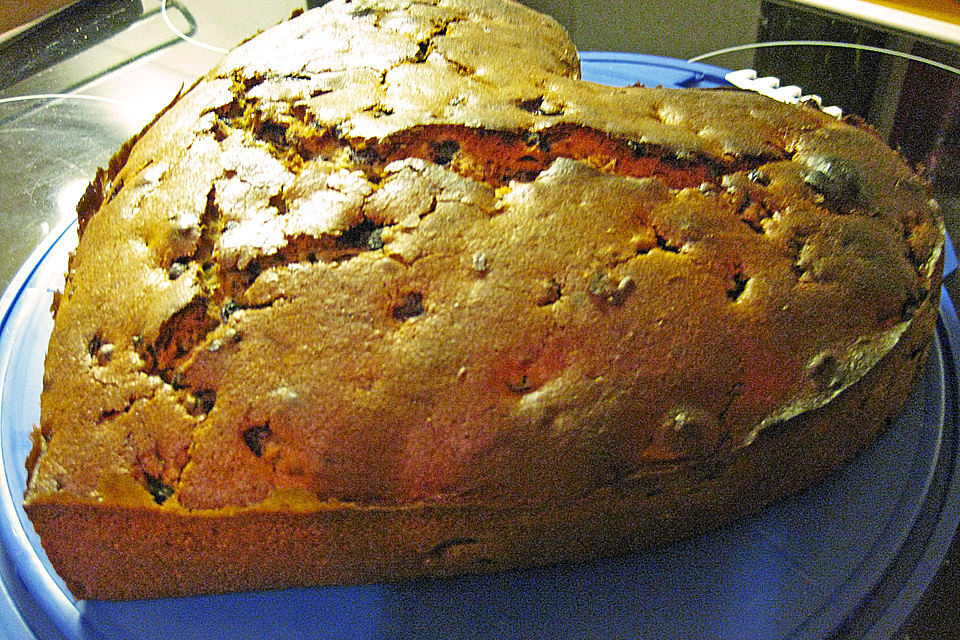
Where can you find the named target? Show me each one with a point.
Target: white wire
(825, 43)
(185, 37)
(57, 96)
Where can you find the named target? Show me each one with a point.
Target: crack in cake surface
(356, 240)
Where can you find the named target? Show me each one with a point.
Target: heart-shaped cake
(391, 292)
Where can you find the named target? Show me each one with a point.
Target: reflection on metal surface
(825, 43)
(42, 152)
(108, 66)
(60, 71)
(146, 51)
(67, 200)
(180, 34)
(63, 35)
(57, 96)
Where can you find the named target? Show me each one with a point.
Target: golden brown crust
(365, 275)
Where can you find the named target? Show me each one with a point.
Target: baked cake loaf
(391, 292)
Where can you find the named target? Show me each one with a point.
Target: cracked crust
(366, 277)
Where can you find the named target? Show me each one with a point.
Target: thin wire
(185, 37)
(57, 96)
(826, 43)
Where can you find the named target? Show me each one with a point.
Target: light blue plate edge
(26, 566)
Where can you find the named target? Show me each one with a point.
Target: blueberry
(411, 307)
(157, 488)
(444, 151)
(229, 308)
(837, 179)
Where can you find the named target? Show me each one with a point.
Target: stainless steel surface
(50, 148)
(47, 156)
